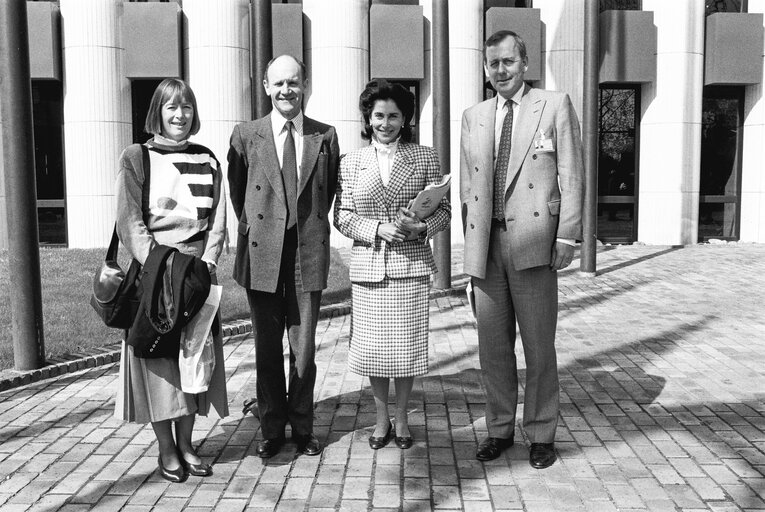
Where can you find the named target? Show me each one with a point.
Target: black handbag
(116, 295)
(115, 298)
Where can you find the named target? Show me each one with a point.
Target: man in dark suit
(521, 189)
(282, 171)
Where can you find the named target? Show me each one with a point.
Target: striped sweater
(185, 202)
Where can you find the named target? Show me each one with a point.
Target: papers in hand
(426, 202)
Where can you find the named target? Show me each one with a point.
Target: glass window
(713, 6)
(48, 118)
(617, 165)
(720, 174)
(619, 5)
(141, 92)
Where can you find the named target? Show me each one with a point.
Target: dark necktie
(503, 159)
(289, 175)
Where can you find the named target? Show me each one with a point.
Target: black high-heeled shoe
(381, 442)
(176, 476)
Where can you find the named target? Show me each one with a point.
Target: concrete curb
(70, 363)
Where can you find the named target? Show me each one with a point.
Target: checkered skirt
(389, 327)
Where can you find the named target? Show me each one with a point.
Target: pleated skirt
(150, 389)
(389, 328)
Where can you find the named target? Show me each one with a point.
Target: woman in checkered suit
(391, 260)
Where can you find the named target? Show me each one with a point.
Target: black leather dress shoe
(542, 455)
(403, 442)
(381, 442)
(269, 447)
(176, 476)
(492, 447)
(308, 444)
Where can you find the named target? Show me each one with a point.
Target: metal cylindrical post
(262, 52)
(441, 132)
(19, 168)
(590, 138)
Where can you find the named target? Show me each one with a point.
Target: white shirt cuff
(567, 241)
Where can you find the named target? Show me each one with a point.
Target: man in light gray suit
(521, 189)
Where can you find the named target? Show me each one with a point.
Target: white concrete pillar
(466, 79)
(563, 51)
(216, 54)
(337, 57)
(753, 161)
(670, 127)
(97, 120)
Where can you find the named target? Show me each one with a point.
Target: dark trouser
(299, 311)
(531, 297)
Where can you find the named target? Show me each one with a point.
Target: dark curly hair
(381, 89)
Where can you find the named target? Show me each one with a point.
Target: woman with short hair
(391, 260)
(182, 205)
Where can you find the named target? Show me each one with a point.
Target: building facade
(681, 119)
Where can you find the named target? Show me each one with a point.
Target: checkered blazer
(363, 202)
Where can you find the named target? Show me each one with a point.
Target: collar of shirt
(385, 155)
(499, 118)
(280, 135)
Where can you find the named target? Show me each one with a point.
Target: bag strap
(146, 179)
(111, 252)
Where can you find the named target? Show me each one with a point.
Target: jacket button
(536, 214)
(257, 187)
(254, 244)
(531, 185)
(534, 157)
(476, 169)
(318, 215)
(476, 198)
(323, 242)
(260, 216)
(185, 313)
(510, 219)
(472, 226)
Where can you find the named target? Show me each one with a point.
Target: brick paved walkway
(662, 362)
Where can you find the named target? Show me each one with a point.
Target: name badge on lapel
(543, 144)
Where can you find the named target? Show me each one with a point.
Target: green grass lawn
(69, 323)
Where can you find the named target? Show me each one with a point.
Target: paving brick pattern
(662, 365)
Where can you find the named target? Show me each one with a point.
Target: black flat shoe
(269, 447)
(308, 444)
(542, 455)
(492, 447)
(381, 442)
(201, 469)
(176, 476)
(403, 442)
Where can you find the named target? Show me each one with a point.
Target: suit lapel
(267, 149)
(523, 134)
(403, 167)
(369, 175)
(486, 119)
(312, 139)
